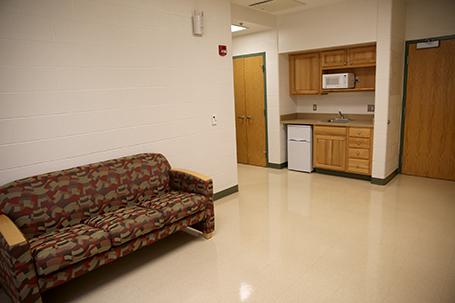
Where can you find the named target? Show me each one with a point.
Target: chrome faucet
(341, 115)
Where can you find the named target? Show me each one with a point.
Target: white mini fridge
(300, 148)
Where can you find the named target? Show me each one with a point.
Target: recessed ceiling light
(237, 28)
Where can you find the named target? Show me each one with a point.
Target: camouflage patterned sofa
(57, 226)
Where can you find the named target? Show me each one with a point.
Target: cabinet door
(330, 152)
(305, 74)
(362, 55)
(334, 58)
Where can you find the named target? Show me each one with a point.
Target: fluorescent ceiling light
(237, 28)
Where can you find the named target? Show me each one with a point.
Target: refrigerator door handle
(298, 140)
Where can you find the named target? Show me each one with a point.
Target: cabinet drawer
(359, 142)
(330, 130)
(359, 166)
(359, 153)
(360, 132)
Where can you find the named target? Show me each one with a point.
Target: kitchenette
(332, 141)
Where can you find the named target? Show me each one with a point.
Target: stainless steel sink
(338, 120)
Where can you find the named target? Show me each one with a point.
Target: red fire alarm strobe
(222, 50)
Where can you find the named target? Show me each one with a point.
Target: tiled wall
(83, 81)
(348, 103)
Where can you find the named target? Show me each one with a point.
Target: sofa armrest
(10, 232)
(189, 181)
(17, 269)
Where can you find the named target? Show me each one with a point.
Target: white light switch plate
(214, 121)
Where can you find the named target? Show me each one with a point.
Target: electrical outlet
(315, 107)
(370, 108)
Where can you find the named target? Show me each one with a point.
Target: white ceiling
(278, 7)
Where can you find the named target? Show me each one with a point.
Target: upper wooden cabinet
(334, 58)
(361, 56)
(349, 57)
(305, 74)
(306, 69)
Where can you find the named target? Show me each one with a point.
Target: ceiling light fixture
(238, 28)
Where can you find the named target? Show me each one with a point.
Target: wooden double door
(250, 123)
(429, 128)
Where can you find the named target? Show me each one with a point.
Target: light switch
(214, 121)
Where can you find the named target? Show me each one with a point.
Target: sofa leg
(207, 236)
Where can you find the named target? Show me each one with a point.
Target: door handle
(241, 117)
(249, 117)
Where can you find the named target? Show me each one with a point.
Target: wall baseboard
(277, 165)
(226, 192)
(342, 174)
(379, 181)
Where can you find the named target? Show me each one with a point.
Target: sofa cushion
(175, 205)
(58, 249)
(127, 223)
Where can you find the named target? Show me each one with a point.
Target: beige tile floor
(296, 237)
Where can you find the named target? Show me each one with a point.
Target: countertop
(354, 123)
(321, 119)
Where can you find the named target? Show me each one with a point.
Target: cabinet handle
(241, 117)
(248, 117)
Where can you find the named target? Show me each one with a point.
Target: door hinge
(263, 68)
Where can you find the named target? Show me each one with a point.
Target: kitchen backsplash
(350, 103)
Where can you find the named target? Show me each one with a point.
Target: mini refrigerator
(300, 148)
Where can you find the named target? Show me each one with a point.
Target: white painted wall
(83, 81)
(288, 103)
(426, 19)
(348, 103)
(342, 23)
(389, 81)
(258, 43)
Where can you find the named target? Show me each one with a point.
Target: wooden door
(305, 74)
(255, 110)
(334, 58)
(240, 111)
(250, 110)
(330, 152)
(429, 131)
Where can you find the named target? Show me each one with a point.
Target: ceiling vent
(277, 6)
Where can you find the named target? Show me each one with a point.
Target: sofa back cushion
(47, 202)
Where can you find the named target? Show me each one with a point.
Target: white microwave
(344, 80)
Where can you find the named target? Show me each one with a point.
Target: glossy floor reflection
(296, 237)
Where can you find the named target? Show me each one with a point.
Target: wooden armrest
(10, 232)
(193, 173)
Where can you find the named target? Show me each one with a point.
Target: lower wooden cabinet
(359, 150)
(340, 148)
(329, 148)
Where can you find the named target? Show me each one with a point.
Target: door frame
(264, 73)
(405, 82)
